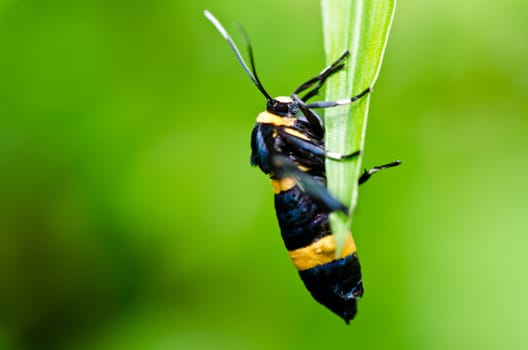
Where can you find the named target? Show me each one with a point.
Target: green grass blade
(362, 27)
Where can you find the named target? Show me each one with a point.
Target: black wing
(285, 167)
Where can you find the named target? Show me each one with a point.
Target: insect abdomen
(335, 283)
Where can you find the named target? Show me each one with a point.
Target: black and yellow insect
(288, 144)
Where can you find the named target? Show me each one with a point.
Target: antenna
(252, 76)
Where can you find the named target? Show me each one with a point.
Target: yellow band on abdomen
(320, 252)
(282, 185)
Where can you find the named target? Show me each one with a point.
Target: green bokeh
(131, 219)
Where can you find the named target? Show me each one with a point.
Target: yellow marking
(273, 119)
(320, 252)
(282, 185)
(303, 168)
(296, 133)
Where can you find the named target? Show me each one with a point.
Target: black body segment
(337, 285)
(287, 143)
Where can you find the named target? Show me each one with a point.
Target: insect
(287, 143)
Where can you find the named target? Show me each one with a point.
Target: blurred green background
(131, 219)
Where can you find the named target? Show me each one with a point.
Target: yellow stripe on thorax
(320, 252)
(282, 185)
(274, 119)
(296, 133)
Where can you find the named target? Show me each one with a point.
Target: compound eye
(279, 107)
(282, 107)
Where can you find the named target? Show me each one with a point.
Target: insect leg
(315, 149)
(346, 101)
(313, 118)
(321, 78)
(368, 173)
(284, 167)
